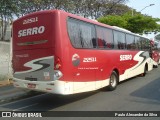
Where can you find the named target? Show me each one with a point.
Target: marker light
(57, 64)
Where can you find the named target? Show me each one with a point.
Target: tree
(7, 8)
(86, 8)
(98, 8)
(115, 6)
(114, 20)
(140, 23)
(28, 6)
(137, 23)
(119, 9)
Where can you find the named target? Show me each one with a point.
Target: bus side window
(119, 40)
(100, 43)
(130, 42)
(104, 37)
(108, 38)
(138, 43)
(100, 37)
(81, 34)
(94, 42)
(142, 43)
(74, 36)
(87, 33)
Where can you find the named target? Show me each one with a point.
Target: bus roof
(121, 29)
(79, 18)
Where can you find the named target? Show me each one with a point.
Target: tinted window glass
(87, 34)
(147, 44)
(74, 34)
(138, 43)
(130, 42)
(143, 42)
(119, 40)
(104, 38)
(82, 34)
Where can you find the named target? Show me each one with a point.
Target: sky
(153, 11)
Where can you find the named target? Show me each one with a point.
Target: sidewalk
(5, 82)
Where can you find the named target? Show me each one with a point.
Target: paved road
(136, 94)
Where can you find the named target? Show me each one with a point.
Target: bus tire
(145, 71)
(113, 81)
(155, 66)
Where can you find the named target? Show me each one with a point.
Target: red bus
(58, 52)
(155, 51)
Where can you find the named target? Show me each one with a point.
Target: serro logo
(125, 57)
(31, 31)
(75, 60)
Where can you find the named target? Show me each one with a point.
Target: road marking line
(24, 107)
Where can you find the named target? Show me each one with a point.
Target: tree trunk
(5, 27)
(2, 27)
(4, 24)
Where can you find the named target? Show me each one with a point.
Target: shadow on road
(46, 102)
(150, 91)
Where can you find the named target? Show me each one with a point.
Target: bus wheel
(155, 66)
(113, 81)
(145, 71)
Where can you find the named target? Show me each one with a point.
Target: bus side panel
(90, 69)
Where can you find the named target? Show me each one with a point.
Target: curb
(6, 82)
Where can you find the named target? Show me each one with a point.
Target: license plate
(30, 79)
(32, 86)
